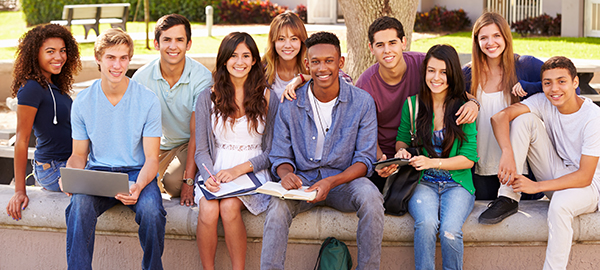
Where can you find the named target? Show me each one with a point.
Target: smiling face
(324, 63)
(114, 63)
(560, 88)
(287, 45)
(172, 45)
(387, 48)
(491, 41)
(240, 63)
(435, 76)
(52, 57)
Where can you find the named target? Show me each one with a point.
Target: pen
(212, 176)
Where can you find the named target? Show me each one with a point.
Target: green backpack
(334, 255)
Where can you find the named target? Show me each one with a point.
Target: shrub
(440, 19)
(301, 11)
(543, 25)
(245, 11)
(43, 11)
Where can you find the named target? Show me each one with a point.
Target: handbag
(400, 186)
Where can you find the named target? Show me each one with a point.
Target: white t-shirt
(279, 85)
(488, 149)
(573, 134)
(322, 116)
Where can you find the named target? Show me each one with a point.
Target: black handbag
(400, 186)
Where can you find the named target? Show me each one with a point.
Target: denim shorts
(47, 174)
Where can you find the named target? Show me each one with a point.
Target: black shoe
(498, 210)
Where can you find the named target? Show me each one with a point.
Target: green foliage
(44, 11)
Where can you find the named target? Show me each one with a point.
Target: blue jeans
(359, 195)
(439, 207)
(48, 178)
(83, 211)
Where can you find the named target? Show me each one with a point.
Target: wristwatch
(189, 181)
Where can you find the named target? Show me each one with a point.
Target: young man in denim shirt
(326, 140)
(116, 124)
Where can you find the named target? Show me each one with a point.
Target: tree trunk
(359, 14)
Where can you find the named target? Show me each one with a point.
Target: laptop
(98, 183)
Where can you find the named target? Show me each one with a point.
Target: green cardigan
(467, 149)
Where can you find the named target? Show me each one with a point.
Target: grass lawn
(580, 48)
(13, 27)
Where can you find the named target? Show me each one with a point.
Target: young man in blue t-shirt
(116, 124)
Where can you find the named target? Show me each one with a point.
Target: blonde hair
(110, 38)
(507, 58)
(291, 21)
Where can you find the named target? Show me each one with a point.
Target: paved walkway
(200, 31)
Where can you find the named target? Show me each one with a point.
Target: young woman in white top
(234, 130)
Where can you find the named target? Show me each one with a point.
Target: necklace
(317, 107)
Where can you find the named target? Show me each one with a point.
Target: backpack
(333, 255)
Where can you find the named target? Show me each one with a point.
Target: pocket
(47, 174)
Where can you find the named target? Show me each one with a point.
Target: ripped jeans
(439, 207)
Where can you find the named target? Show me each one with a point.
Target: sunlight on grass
(579, 48)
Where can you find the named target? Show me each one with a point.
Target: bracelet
(302, 77)
(476, 103)
(439, 164)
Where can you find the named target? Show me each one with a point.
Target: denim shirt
(351, 138)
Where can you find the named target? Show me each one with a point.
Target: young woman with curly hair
(234, 130)
(47, 60)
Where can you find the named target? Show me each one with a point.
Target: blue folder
(209, 196)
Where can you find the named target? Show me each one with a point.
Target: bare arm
(577, 179)
(501, 126)
(468, 112)
(187, 192)
(147, 173)
(454, 163)
(20, 200)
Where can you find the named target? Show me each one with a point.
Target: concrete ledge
(525, 232)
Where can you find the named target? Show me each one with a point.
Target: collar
(185, 75)
(302, 94)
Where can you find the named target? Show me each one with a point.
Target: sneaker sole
(491, 221)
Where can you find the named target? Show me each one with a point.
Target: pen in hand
(211, 176)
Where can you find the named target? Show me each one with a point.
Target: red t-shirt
(390, 98)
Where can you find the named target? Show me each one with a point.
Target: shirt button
(313, 137)
(311, 159)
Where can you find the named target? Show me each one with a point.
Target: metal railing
(515, 10)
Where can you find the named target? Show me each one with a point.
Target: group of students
(174, 117)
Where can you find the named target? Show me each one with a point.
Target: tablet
(98, 183)
(382, 164)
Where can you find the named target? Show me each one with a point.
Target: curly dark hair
(27, 66)
(223, 96)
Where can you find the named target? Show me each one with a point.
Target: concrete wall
(38, 240)
(572, 18)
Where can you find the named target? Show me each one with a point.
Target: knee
(527, 121)
(278, 212)
(150, 211)
(230, 209)
(559, 206)
(449, 232)
(427, 224)
(208, 212)
(369, 197)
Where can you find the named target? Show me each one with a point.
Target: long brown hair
(27, 65)
(223, 96)
(283, 21)
(455, 97)
(507, 61)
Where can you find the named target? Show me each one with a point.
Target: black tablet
(382, 164)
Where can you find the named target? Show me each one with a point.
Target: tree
(359, 14)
